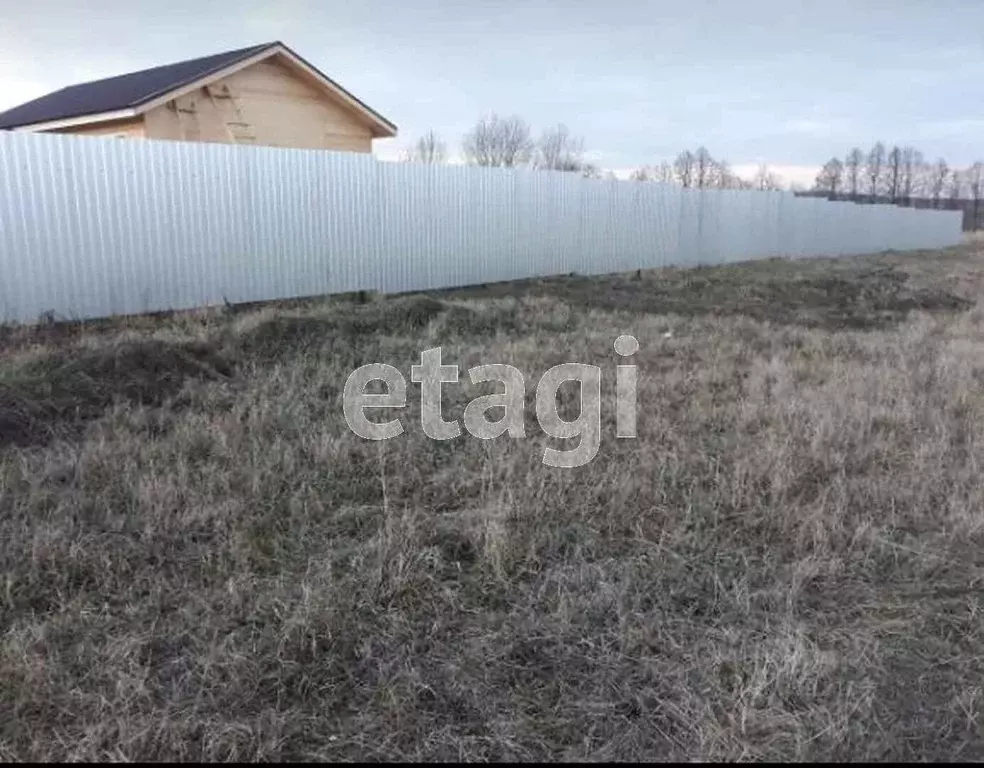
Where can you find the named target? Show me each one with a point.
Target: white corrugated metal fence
(97, 227)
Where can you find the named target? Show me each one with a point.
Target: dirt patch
(65, 389)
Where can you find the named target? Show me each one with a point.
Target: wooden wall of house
(265, 104)
(130, 129)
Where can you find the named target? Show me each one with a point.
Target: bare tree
(912, 160)
(873, 169)
(683, 166)
(429, 148)
(724, 177)
(893, 173)
(557, 150)
(975, 182)
(499, 142)
(937, 180)
(830, 176)
(852, 171)
(718, 174)
(955, 186)
(765, 179)
(922, 179)
(592, 171)
(703, 168)
(664, 172)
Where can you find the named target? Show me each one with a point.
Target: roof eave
(72, 122)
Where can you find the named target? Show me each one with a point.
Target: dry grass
(200, 561)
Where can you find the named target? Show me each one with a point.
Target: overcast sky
(786, 82)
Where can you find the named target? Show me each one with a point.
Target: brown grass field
(200, 561)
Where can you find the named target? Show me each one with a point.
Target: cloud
(956, 128)
(17, 83)
(275, 20)
(824, 127)
(17, 90)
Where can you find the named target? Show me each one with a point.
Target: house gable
(271, 102)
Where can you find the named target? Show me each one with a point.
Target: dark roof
(122, 92)
(133, 90)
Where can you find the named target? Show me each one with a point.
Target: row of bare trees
(508, 142)
(899, 175)
(701, 170)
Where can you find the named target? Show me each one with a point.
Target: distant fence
(96, 227)
(971, 210)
